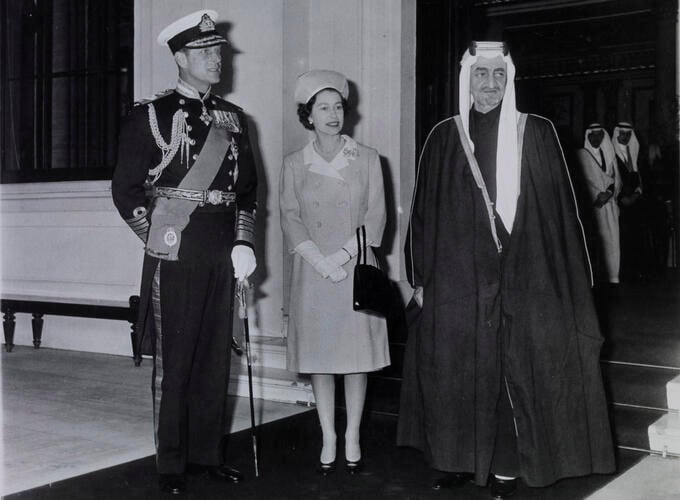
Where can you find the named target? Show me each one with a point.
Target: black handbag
(372, 288)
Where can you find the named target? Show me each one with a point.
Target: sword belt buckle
(216, 197)
(212, 196)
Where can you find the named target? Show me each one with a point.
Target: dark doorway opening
(580, 62)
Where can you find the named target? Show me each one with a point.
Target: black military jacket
(141, 150)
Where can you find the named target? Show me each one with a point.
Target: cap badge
(206, 24)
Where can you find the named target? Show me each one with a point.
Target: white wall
(65, 239)
(74, 243)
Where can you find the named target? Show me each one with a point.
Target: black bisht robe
(458, 359)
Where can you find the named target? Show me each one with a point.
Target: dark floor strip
(288, 456)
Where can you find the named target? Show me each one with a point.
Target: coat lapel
(335, 169)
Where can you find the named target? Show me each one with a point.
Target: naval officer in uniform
(185, 182)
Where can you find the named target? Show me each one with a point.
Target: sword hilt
(236, 347)
(242, 287)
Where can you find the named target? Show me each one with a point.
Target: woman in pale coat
(328, 189)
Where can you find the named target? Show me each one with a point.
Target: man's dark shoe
(452, 480)
(502, 488)
(225, 473)
(175, 484)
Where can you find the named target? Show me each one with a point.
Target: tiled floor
(66, 413)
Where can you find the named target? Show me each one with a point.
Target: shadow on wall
(262, 219)
(224, 88)
(229, 52)
(352, 119)
(396, 320)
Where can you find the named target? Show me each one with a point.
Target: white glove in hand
(243, 261)
(338, 274)
(311, 253)
(339, 258)
(418, 296)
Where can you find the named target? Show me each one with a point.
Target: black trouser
(191, 369)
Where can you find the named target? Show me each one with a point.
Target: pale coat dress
(325, 202)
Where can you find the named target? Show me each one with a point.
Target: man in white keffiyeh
(501, 374)
(632, 201)
(603, 184)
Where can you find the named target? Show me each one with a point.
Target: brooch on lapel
(350, 151)
(226, 120)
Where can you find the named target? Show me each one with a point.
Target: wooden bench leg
(8, 324)
(37, 324)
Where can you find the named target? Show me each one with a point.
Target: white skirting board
(664, 434)
(673, 393)
(271, 380)
(271, 384)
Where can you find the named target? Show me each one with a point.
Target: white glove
(418, 296)
(338, 274)
(311, 253)
(243, 260)
(339, 258)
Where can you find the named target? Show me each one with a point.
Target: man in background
(635, 234)
(603, 185)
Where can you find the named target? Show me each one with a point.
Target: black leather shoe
(326, 469)
(502, 488)
(225, 473)
(354, 467)
(452, 480)
(175, 484)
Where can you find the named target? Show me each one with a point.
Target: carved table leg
(8, 325)
(37, 323)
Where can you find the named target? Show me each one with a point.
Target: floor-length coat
(325, 202)
(606, 216)
(546, 355)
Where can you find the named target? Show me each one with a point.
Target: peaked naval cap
(194, 31)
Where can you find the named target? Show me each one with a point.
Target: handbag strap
(361, 243)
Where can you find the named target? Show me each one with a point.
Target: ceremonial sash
(170, 216)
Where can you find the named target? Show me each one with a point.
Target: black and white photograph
(340, 249)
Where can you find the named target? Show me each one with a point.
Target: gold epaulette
(156, 96)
